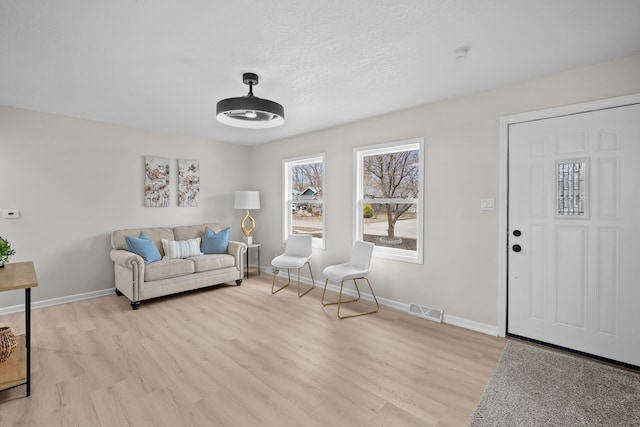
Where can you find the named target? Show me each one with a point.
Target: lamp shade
(247, 200)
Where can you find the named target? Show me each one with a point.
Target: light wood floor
(239, 356)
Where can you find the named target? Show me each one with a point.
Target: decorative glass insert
(573, 189)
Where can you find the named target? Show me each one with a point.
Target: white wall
(460, 271)
(74, 181)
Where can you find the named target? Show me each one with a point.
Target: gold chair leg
(282, 287)
(324, 291)
(358, 314)
(324, 304)
(312, 282)
(300, 295)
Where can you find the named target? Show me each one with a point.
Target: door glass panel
(572, 188)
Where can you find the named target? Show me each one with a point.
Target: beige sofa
(139, 282)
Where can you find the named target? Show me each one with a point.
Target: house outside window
(304, 198)
(389, 198)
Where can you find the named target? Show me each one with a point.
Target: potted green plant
(6, 252)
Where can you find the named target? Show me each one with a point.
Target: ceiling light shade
(249, 111)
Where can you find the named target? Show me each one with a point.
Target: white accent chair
(356, 269)
(296, 254)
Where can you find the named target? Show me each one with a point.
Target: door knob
(516, 248)
(517, 233)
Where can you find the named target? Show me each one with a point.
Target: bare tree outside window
(392, 176)
(388, 198)
(308, 175)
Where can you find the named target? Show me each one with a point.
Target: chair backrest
(299, 245)
(361, 254)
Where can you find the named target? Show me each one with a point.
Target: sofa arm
(126, 259)
(129, 272)
(238, 249)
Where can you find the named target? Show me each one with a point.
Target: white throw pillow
(181, 249)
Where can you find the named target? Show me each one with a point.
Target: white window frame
(287, 225)
(359, 153)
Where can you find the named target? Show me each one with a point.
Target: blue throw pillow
(143, 246)
(213, 243)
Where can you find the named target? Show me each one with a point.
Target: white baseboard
(471, 324)
(447, 318)
(57, 301)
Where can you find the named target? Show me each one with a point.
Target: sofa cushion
(166, 269)
(212, 262)
(215, 243)
(143, 246)
(181, 248)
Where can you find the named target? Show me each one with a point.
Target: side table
(16, 370)
(253, 269)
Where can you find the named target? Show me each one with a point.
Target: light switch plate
(487, 204)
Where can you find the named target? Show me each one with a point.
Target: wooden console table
(16, 370)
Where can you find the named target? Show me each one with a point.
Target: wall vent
(426, 312)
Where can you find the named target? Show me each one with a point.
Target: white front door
(574, 232)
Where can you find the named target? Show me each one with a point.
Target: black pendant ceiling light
(249, 111)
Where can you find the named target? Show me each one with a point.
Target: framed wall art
(188, 182)
(156, 181)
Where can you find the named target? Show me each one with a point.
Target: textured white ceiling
(163, 65)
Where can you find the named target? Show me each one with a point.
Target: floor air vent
(426, 312)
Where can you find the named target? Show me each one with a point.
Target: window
(303, 197)
(388, 210)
